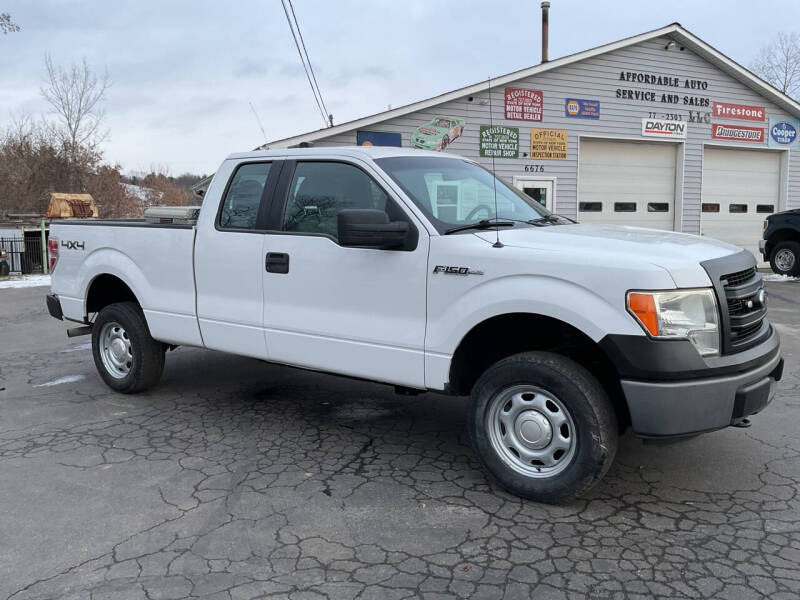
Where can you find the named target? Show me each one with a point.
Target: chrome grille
(738, 287)
(745, 311)
(734, 279)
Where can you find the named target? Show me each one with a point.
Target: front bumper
(671, 391)
(683, 408)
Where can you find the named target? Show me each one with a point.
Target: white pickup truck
(423, 271)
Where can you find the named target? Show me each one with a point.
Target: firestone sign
(664, 129)
(745, 112)
(523, 104)
(737, 133)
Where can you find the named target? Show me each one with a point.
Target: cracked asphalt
(236, 479)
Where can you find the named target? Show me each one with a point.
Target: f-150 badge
(447, 270)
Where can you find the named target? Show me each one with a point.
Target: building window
(658, 207)
(624, 206)
(710, 207)
(590, 207)
(737, 208)
(765, 208)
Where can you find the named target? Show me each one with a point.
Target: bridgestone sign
(499, 141)
(738, 133)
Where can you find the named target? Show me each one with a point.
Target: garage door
(740, 188)
(627, 183)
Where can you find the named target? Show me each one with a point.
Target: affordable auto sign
(783, 133)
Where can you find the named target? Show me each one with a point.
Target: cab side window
(243, 198)
(319, 190)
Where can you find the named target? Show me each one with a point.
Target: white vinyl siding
(735, 184)
(631, 183)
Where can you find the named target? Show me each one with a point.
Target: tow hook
(742, 422)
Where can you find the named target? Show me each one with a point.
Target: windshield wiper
(483, 224)
(551, 218)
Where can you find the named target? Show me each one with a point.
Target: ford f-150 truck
(423, 271)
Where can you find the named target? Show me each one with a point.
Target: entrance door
(353, 311)
(540, 190)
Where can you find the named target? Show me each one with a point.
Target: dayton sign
(664, 129)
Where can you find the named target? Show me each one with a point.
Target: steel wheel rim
(115, 350)
(785, 259)
(531, 430)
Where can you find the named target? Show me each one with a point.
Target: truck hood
(679, 253)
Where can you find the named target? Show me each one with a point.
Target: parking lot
(238, 479)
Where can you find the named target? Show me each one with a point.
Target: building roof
(675, 31)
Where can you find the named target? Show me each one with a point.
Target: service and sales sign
(663, 129)
(548, 144)
(523, 104)
(783, 133)
(499, 141)
(582, 109)
(745, 112)
(737, 133)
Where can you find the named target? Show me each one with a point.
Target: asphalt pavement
(235, 479)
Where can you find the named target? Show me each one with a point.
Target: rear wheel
(785, 258)
(126, 356)
(542, 426)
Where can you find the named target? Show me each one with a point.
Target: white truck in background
(423, 271)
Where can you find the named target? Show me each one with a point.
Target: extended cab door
(228, 257)
(353, 311)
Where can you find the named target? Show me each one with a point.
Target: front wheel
(542, 426)
(785, 258)
(128, 359)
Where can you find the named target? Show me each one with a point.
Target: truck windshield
(454, 192)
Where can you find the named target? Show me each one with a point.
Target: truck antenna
(497, 243)
(260, 126)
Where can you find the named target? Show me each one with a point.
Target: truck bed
(155, 260)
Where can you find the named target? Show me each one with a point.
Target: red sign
(746, 112)
(523, 104)
(738, 133)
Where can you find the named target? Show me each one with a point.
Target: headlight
(688, 314)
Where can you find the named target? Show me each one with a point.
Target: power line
(302, 60)
(308, 60)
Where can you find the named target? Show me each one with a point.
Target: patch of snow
(776, 277)
(25, 281)
(79, 347)
(61, 380)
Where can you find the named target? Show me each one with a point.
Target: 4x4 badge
(447, 270)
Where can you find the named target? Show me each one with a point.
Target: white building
(658, 130)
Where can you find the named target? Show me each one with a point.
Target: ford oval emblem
(783, 133)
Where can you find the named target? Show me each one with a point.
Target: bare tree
(778, 63)
(6, 24)
(75, 95)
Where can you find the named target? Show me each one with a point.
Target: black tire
(146, 355)
(779, 255)
(593, 437)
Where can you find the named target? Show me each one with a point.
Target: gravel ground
(236, 479)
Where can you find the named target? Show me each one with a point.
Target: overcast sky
(183, 72)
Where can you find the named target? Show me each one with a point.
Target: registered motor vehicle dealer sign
(523, 104)
(663, 129)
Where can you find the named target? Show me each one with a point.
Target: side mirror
(369, 228)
